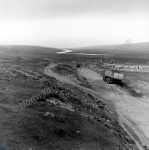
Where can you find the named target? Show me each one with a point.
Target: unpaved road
(133, 112)
(49, 72)
(89, 74)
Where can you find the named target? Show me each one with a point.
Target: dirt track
(133, 112)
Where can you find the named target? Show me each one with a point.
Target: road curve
(103, 95)
(49, 72)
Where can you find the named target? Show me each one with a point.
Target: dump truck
(113, 76)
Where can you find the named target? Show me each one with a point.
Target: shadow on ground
(129, 89)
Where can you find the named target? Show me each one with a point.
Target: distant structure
(115, 66)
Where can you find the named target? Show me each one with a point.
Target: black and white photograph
(74, 74)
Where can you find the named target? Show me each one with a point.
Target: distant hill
(28, 51)
(135, 50)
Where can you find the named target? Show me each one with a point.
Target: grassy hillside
(61, 117)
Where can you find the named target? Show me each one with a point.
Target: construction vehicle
(113, 76)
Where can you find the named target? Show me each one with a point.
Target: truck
(113, 76)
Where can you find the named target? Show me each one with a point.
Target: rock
(49, 114)
(78, 132)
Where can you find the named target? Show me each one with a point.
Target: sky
(73, 23)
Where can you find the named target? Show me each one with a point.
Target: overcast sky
(73, 23)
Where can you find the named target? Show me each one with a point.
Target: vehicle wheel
(111, 81)
(108, 80)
